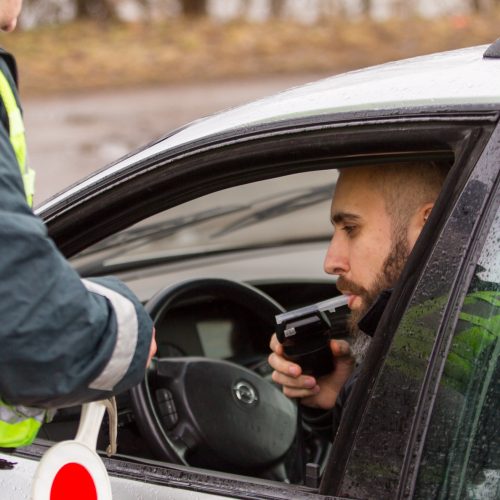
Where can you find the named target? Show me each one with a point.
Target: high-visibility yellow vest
(17, 137)
(19, 425)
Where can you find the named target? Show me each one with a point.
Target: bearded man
(377, 214)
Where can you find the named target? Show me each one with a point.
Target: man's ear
(417, 222)
(426, 211)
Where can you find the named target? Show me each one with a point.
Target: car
(223, 224)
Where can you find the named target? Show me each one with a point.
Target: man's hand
(316, 393)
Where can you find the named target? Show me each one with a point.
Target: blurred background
(100, 78)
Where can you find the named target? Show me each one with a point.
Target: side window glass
(462, 450)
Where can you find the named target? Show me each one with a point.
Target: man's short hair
(406, 187)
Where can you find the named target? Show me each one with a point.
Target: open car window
(271, 233)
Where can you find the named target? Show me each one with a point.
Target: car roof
(454, 78)
(446, 78)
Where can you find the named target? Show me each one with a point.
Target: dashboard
(223, 329)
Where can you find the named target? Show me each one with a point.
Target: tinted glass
(462, 450)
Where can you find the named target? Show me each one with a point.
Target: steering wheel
(213, 413)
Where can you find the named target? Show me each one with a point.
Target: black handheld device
(305, 334)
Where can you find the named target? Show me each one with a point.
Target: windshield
(277, 211)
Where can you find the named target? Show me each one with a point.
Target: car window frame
(345, 456)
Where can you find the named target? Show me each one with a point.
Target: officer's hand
(152, 348)
(317, 393)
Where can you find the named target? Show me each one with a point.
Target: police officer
(64, 340)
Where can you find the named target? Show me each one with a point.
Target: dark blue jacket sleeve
(62, 341)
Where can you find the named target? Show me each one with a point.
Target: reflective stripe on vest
(17, 138)
(19, 425)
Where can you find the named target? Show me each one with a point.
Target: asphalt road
(71, 136)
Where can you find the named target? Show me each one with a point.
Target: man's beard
(386, 278)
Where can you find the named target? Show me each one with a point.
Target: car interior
(217, 318)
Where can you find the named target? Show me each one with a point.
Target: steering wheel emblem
(245, 392)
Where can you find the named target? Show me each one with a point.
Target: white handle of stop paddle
(90, 423)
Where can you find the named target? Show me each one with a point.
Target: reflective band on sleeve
(12, 414)
(126, 337)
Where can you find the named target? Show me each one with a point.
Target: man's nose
(336, 259)
(10, 26)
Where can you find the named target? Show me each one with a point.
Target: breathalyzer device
(305, 334)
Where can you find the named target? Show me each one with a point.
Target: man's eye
(348, 229)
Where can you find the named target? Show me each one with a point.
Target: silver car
(223, 224)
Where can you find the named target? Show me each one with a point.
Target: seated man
(377, 214)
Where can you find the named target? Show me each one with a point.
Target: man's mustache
(346, 285)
